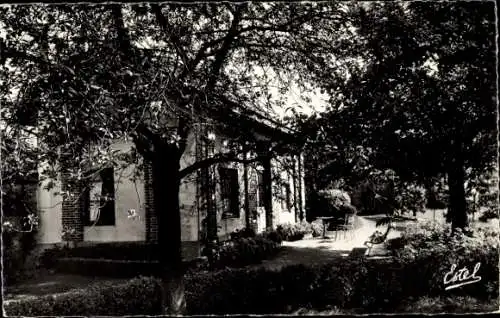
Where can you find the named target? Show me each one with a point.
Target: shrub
(140, 296)
(244, 248)
(372, 285)
(317, 228)
(427, 251)
(244, 251)
(273, 236)
(18, 258)
(337, 197)
(411, 198)
(343, 284)
(456, 304)
(488, 214)
(293, 232)
(243, 233)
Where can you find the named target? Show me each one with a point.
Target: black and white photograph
(249, 158)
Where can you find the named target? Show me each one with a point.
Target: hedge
(130, 259)
(422, 257)
(140, 296)
(130, 251)
(245, 251)
(374, 285)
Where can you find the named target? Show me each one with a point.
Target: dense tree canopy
(411, 88)
(423, 102)
(79, 77)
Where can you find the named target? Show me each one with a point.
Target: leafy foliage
(188, 63)
(244, 248)
(293, 231)
(78, 78)
(140, 296)
(426, 243)
(416, 102)
(367, 285)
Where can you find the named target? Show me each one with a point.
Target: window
(99, 200)
(260, 189)
(230, 192)
(286, 197)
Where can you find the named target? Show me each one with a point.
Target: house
(235, 191)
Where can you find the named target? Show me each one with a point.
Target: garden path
(320, 251)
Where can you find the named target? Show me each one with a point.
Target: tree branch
(123, 38)
(226, 46)
(220, 158)
(163, 22)
(14, 54)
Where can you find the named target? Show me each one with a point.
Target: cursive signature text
(456, 278)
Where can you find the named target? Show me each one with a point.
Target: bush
(427, 252)
(293, 232)
(140, 296)
(376, 285)
(342, 284)
(328, 202)
(246, 250)
(317, 228)
(488, 215)
(366, 284)
(273, 236)
(18, 258)
(411, 198)
(243, 233)
(456, 304)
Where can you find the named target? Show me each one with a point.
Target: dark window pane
(107, 204)
(104, 202)
(229, 191)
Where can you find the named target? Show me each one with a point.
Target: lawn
(424, 305)
(437, 215)
(47, 283)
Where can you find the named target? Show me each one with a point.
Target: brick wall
(72, 209)
(151, 222)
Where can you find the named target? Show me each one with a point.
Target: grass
(47, 283)
(424, 305)
(448, 305)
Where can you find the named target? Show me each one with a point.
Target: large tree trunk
(456, 178)
(166, 185)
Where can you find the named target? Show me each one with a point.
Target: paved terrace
(319, 250)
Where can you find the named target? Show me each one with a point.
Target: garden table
(325, 220)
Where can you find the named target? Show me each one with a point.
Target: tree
(79, 77)
(422, 98)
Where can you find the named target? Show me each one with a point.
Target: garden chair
(358, 252)
(378, 237)
(326, 222)
(346, 226)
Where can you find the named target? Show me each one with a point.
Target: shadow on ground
(47, 283)
(291, 255)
